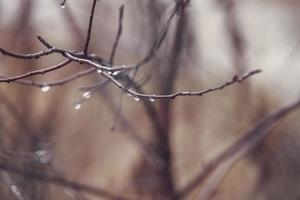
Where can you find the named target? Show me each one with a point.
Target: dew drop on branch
(45, 88)
(115, 73)
(151, 99)
(99, 71)
(136, 98)
(109, 72)
(42, 156)
(63, 4)
(86, 95)
(77, 106)
(16, 190)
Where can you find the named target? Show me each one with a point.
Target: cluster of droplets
(113, 73)
(137, 98)
(86, 95)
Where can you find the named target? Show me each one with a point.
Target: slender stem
(88, 37)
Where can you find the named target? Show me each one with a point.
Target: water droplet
(136, 98)
(45, 88)
(63, 4)
(115, 73)
(109, 72)
(42, 156)
(15, 190)
(86, 95)
(151, 99)
(99, 71)
(77, 106)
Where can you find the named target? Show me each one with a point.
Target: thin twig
(236, 79)
(88, 37)
(62, 81)
(30, 55)
(159, 40)
(32, 73)
(113, 52)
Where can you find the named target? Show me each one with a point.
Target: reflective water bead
(45, 88)
(151, 99)
(86, 95)
(77, 106)
(42, 156)
(115, 73)
(63, 4)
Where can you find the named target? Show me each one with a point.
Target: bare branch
(30, 55)
(32, 73)
(236, 79)
(62, 81)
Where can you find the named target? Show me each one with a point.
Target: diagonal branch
(30, 55)
(32, 73)
(62, 81)
(240, 148)
(57, 180)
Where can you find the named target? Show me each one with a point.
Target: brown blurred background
(150, 150)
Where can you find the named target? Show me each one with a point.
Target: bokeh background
(151, 150)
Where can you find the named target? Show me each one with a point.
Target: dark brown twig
(113, 52)
(88, 37)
